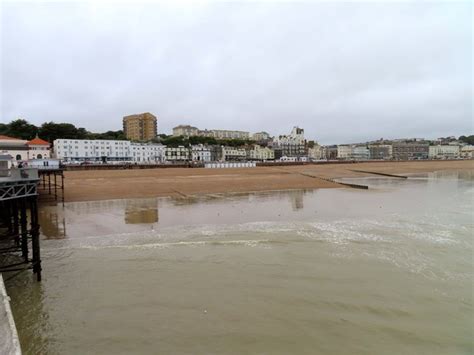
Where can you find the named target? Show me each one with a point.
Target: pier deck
(19, 227)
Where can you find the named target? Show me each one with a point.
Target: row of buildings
(291, 147)
(190, 131)
(399, 150)
(112, 151)
(144, 127)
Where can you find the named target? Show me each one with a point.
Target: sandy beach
(113, 184)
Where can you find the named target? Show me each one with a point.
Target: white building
(261, 153)
(185, 130)
(443, 152)
(467, 152)
(177, 154)
(316, 152)
(80, 150)
(226, 134)
(201, 152)
(360, 152)
(149, 153)
(344, 151)
(107, 151)
(353, 152)
(232, 154)
(260, 136)
(292, 145)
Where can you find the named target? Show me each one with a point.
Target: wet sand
(93, 185)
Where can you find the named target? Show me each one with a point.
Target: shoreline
(91, 185)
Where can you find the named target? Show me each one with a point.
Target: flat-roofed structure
(445, 151)
(380, 151)
(185, 131)
(15, 147)
(229, 134)
(410, 150)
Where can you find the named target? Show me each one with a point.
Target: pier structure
(51, 184)
(19, 226)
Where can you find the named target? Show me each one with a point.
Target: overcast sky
(345, 72)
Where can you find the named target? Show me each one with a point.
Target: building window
(18, 157)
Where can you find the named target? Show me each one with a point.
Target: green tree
(51, 131)
(173, 141)
(3, 128)
(21, 129)
(202, 140)
(113, 135)
(467, 139)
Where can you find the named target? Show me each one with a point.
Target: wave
(395, 230)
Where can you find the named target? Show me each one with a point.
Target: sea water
(387, 270)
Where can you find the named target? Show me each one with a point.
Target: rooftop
(38, 141)
(7, 138)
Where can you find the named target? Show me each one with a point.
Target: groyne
(381, 174)
(354, 186)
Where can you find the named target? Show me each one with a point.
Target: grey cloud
(346, 72)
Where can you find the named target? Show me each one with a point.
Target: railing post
(35, 242)
(16, 226)
(24, 230)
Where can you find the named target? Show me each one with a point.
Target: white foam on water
(394, 230)
(198, 243)
(396, 239)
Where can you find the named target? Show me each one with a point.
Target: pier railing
(18, 183)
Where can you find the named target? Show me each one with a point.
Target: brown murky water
(337, 271)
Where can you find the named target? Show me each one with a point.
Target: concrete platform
(9, 342)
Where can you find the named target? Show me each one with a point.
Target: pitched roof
(37, 141)
(6, 138)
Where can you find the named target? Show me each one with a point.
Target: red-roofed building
(23, 150)
(38, 149)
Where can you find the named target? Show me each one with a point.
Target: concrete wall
(9, 343)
